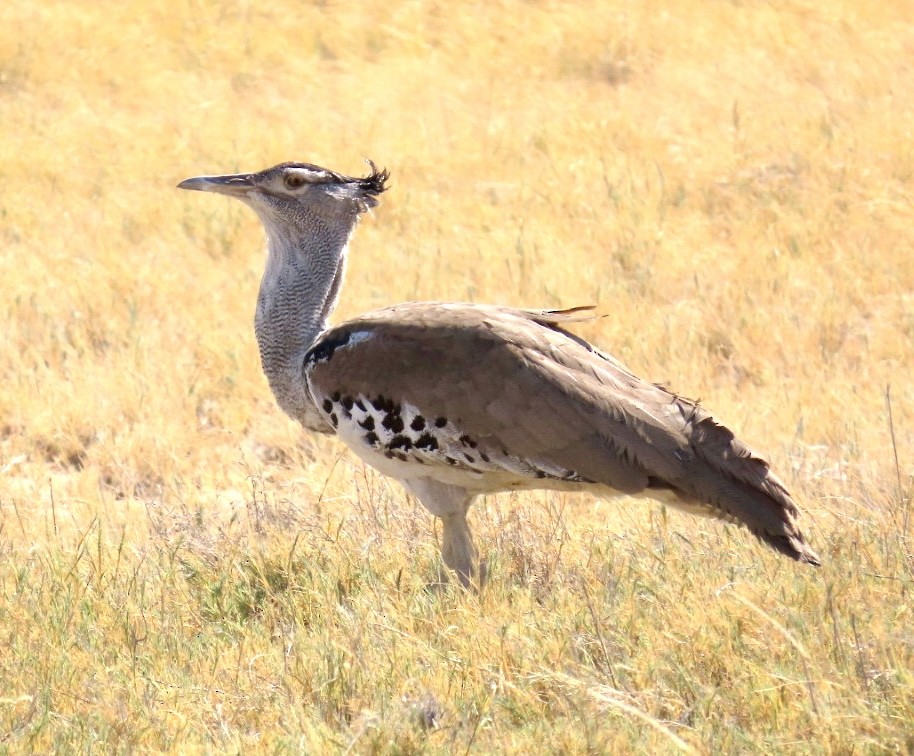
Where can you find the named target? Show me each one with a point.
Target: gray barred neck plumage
(299, 290)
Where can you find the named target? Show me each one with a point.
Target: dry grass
(185, 569)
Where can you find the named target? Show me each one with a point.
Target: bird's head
(298, 191)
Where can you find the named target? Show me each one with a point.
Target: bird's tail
(730, 481)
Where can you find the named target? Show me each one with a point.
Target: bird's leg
(457, 547)
(451, 503)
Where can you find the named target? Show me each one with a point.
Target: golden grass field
(184, 569)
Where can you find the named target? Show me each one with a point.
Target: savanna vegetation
(182, 568)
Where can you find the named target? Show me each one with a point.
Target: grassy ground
(182, 568)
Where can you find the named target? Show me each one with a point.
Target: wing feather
(516, 381)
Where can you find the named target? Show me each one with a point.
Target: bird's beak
(237, 185)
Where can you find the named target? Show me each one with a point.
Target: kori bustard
(457, 400)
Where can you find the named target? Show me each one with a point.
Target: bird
(460, 400)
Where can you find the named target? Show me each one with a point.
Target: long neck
(298, 292)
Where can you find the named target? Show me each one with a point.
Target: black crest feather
(376, 181)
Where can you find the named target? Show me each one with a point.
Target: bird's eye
(294, 180)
